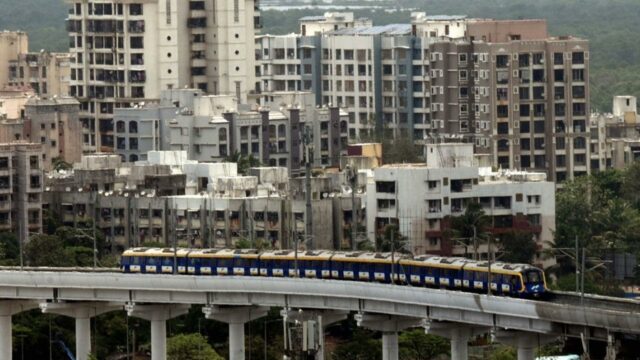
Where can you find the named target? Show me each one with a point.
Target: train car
(434, 271)
(154, 260)
(278, 263)
(517, 280)
(242, 262)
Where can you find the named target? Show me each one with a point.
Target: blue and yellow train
(454, 273)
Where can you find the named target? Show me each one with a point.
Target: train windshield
(533, 277)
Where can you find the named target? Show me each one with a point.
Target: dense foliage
(601, 213)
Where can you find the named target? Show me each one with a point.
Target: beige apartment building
(12, 44)
(47, 74)
(21, 185)
(126, 53)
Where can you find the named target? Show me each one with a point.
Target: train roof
(224, 253)
(302, 255)
(162, 252)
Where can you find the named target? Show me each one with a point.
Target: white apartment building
(212, 127)
(421, 199)
(331, 21)
(128, 52)
(615, 140)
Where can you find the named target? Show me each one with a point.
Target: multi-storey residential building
(128, 52)
(12, 44)
(519, 94)
(211, 128)
(331, 21)
(169, 198)
(421, 199)
(52, 122)
(21, 185)
(46, 73)
(615, 139)
(55, 124)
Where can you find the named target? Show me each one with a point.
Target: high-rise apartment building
(47, 74)
(520, 95)
(21, 180)
(128, 52)
(12, 44)
(210, 128)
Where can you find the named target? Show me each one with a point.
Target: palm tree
(471, 227)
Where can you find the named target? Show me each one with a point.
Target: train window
(167, 261)
(347, 266)
(468, 275)
(445, 273)
(151, 261)
(135, 260)
(533, 277)
(326, 265)
(223, 262)
(380, 267)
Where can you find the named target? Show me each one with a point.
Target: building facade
(520, 95)
(211, 128)
(421, 200)
(21, 187)
(126, 53)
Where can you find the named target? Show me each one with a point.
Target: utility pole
(490, 259)
(96, 213)
(353, 179)
(577, 266)
(475, 244)
(393, 275)
(308, 139)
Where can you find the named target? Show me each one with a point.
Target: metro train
(453, 273)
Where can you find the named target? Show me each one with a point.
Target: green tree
(472, 224)
(416, 345)
(391, 239)
(245, 162)
(503, 353)
(46, 250)
(9, 249)
(361, 347)
(630, 187)
(59, 164)
(517, 246)
(190, 347)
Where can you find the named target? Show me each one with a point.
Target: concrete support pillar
(158, 316)
(389, 326)
(236, 341)
(83, 338)
(158, 339)
(7, 310)
(458, 334)
(5, 337)
(459, 345)
(390, 345)
(82, 313)
(526, 343)
(526, 353)
(324, 318)
(236, 317)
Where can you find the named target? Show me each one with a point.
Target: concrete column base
(158, 316)
(82, 312)
(8, 308)
(236, 317)
(458, 334)
(389, 326)
(526, 343)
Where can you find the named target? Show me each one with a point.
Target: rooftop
(391, 29)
